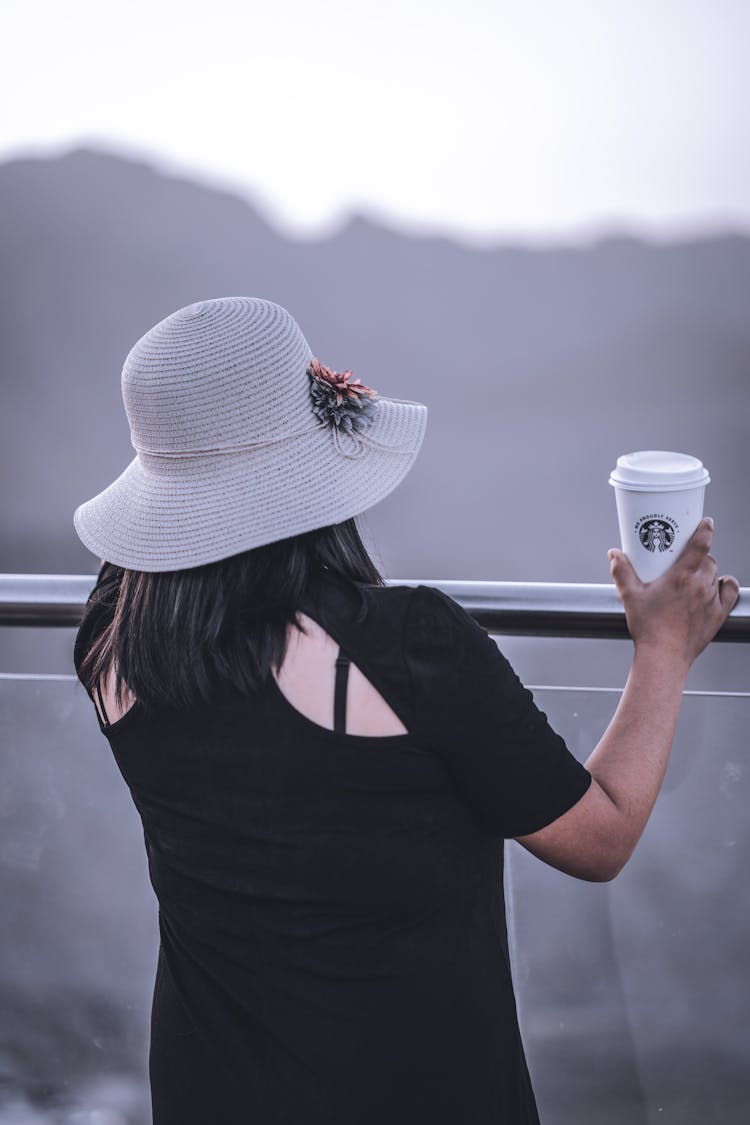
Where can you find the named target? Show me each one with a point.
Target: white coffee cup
(659, 505)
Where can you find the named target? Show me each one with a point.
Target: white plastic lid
(656, 470)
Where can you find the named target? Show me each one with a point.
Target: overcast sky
(514, 118)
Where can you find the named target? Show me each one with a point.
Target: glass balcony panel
(632, 994)
(78, 927)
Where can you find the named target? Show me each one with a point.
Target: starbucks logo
(656, 535)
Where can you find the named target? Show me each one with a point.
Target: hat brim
(173, 514)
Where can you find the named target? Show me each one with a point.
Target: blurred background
(533, 217)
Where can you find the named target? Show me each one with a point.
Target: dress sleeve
(472, 710)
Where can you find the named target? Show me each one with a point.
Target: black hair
(181, 637)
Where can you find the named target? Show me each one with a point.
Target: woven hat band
(351, 445)
(220, 450)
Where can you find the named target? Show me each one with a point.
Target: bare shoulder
(115, 709)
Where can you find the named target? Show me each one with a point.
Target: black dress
(333, 942)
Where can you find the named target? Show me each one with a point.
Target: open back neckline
(309, 723)
(285, 702)
(287, 706)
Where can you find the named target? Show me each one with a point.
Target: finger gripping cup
(659, 499)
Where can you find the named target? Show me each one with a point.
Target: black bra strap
(339, 698)
(101, 703)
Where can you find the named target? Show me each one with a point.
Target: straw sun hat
(242, 437)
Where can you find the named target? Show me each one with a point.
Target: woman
(325, 767)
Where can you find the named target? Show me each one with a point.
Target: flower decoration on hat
(339, 400)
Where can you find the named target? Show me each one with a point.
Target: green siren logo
(656, 532)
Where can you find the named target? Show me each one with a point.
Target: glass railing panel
(78, 926)
(632, 995)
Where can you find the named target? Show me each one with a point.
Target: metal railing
(537, 609)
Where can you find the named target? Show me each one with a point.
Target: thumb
(623, 574)
(729, 592)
